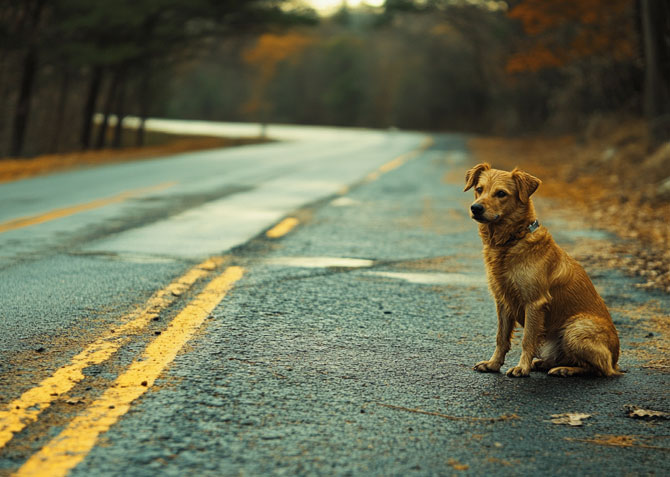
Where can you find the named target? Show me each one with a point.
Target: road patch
(320, 262)
(343, 202)
(434, 278)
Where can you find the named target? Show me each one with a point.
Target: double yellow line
(25, 409)
(70, 447)
(66, 450)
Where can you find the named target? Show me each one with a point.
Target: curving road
(306, 307)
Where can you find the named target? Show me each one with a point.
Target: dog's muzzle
(477, 210)
(478, 214)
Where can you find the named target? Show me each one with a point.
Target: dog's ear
(472, 176)
(526, 184)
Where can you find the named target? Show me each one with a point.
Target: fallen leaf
(639, 413)
(457, 465)
(569, 418)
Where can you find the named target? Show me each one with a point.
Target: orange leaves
(562, 31)
(535, 59)
(270, 50)
(538, 16)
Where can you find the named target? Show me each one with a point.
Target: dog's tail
(601, 358)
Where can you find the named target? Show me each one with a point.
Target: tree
(584, 51)
(265, 56)
(29, 31)
(115, 46)
(655, 16)
(559, 32)
(344, 89)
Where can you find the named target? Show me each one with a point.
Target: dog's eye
(501, 194)
(479, 190)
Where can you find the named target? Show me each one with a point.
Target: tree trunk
(89, 107)
(145, 102)
(140, 132)
(120, 113)
(5, 91)
(111, 98)
(28, 75)
(60, 111)
(23, 103)
(655, 34)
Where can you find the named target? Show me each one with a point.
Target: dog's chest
(512, 275)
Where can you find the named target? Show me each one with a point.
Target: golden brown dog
(567, 328)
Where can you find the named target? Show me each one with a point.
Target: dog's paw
(487, 367)
(539, 365)
(565, 371)
(518, 372)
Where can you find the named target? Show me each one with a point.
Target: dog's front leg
(532, 329)
(503, 339)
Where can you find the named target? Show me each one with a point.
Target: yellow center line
(397, 162)
(74, 209)
(400, 160)
(26, 408)
(282, 228)
(70, 447)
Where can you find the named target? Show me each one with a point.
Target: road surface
(307, 307)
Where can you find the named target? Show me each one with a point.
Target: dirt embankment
(612, 178)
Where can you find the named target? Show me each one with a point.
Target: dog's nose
(477, 209)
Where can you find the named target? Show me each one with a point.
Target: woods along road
(306, 307)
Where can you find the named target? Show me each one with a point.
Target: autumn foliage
(269, 51)
(414, 64)
(559, 32)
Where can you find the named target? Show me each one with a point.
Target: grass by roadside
(611, 179)
(158, 144)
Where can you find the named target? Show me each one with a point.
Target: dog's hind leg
(565, 371)
(585, 346)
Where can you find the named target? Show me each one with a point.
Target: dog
(567, 329)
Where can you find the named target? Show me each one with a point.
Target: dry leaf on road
(639, 413)
(569, 418)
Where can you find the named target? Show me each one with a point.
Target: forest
(489, 66)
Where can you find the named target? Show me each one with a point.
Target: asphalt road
(154, 321)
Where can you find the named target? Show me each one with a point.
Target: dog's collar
(531, 228)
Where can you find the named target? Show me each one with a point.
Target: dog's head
(500, 196)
